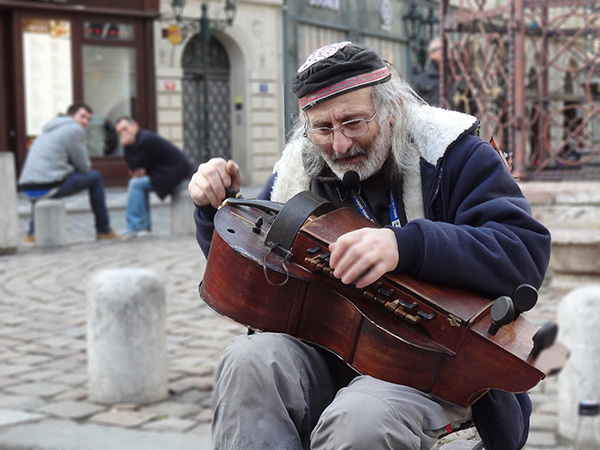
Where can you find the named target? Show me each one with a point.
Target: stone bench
(182, 212)
(50, 223)
(578, 316)
(9, 218)
(126, 337)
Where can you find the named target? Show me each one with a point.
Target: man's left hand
(363, 256)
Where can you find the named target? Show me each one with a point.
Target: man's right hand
(209, 183)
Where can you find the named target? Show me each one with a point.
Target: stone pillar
(50, 223)
(126, 337)
(9, 217)
(579, 330)
(182, 213)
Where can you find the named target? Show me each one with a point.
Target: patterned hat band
(377, 76)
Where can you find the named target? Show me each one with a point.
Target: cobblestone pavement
(43, 371)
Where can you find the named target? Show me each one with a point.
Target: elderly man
(58, 165)
(449, 212)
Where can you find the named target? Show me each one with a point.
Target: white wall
(254, 46)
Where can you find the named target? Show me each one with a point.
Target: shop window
(47, 69)
(109, 87)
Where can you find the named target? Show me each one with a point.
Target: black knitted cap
(336, 69)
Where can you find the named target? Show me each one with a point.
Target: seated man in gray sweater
(58, 165)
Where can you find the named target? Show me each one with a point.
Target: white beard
(372, 164)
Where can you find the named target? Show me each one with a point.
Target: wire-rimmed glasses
(351, 128)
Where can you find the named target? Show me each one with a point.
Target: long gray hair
(395, 100)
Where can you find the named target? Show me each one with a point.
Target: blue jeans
(138, 204)
(77, 182)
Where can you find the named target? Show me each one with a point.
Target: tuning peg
(524, 298)
(502, 313)
(543, 338)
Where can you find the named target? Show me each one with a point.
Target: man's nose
(341, 143)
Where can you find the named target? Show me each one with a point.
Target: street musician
(449, 212)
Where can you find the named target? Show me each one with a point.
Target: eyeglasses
(351, 128)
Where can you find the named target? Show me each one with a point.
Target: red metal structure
(530, 71)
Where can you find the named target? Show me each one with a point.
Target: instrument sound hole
(231, 230)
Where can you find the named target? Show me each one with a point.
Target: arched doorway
(219, 100)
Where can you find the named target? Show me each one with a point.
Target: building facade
(251, 65)
(53, 53)
(244, 80)
(158, 60)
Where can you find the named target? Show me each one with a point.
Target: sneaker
(111, 234)
(132, 234)
(29, 239)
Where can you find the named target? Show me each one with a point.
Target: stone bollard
(126, 337)
(9, 218)
(578, 318)
(50, 223)
(182, 213)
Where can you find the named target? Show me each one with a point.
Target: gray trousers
(274, 392)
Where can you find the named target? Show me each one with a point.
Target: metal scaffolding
(530, 71)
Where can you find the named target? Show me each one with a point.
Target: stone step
(565, 204)
(574, 258)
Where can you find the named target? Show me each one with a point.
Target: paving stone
(39, 375)
(33, 360)
(129, 419)
(38, 389)
(543, 422)
(72, 394)
(544, 439)
(458, 445)
(12, 417)
(182, 385)
(5, 382)
(21, 402)
(173, 409)
(10, 370)
(204, 416)
(68, 435)
(73, 379)
(71, 409)
(202, 429)
(547, 406)
(170, 424)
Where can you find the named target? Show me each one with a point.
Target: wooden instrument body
(431, 337)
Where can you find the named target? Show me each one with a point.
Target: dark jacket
(478, 234)
(165, 164)
(427, 84)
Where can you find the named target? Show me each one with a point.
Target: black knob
(543, 338)
(502, 313)
(258, 223)
(524, 298)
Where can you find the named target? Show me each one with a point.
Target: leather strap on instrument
(290, 219)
